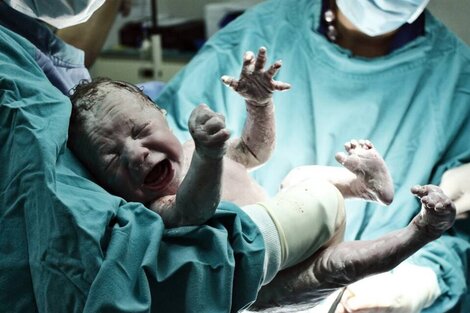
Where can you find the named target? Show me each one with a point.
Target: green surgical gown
(414, 104)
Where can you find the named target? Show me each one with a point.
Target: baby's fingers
(214, 124)
(200, 115)
(220, 137)
(248, 63)
(274, 69)
(230, 81)
(214, 145)
(280, 86)
(260, 59)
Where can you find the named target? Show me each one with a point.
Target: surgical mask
(378, 17)
(58, 13)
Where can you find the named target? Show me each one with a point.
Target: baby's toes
(428, 202)
(439, 211)
(447, 204)
(351, 162)
(341, 157)
(350, 146)
(366, 144)
(444, 204)
(439, 207)
(362, 143)
(419, 191)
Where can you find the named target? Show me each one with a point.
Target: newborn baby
(122, 137)
(126, 144)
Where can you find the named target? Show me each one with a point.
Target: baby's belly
(238, 186)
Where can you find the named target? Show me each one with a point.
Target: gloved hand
(456, 184)
(407, 289)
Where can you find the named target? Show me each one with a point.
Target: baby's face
(131, 149)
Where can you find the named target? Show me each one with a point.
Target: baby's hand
(255, 84)
(208, 131)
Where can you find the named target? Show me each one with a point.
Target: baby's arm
(256, 144)
(199, 193)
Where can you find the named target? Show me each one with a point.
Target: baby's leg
(365, 175)
(347, 262)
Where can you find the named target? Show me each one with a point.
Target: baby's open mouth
(160, 176)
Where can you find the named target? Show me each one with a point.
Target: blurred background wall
(455, 14)
(193, 21)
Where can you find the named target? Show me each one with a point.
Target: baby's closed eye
(139, 131)
(111, 159)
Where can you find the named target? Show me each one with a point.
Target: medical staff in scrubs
(91, 35)
(57, 41)
(63, 64)
(384, 70)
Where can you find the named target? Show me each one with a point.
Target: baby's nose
(135, 155)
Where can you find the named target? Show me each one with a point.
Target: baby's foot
(373, 179)
(437, 212)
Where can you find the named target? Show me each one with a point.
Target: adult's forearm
(91, 35)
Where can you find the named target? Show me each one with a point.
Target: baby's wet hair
(86, 93)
